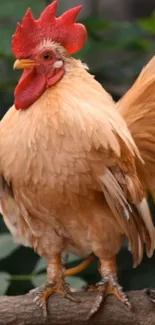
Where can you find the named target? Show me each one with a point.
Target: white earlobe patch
(58, 64)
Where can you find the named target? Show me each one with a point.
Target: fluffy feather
(70, 170)
(56, 156)
(138, 109)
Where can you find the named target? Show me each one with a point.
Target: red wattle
(30, 87)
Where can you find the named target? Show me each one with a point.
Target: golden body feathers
(68, 172)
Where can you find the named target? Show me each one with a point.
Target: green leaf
(7, 246)
(4, 283)
(38, 280)
(75, 282)
(96, 23)
(72, 258)
(148, 24)
(40, 265)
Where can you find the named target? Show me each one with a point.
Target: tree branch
(21, 310)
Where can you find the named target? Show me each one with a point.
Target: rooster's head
(42, 48)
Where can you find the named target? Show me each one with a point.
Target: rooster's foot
(107, 286)
(42, 294)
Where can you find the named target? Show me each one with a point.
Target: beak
(24, 64)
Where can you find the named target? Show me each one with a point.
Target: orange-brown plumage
(68, 168)
(138, 109)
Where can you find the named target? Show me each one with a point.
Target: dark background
(121, 41)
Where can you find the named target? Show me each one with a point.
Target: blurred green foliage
(115, 53)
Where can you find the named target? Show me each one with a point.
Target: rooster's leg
(108, 285)
(55, 284)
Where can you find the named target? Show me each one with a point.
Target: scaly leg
(55, 284)
(108, 285)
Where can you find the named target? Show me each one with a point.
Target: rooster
(69, 164)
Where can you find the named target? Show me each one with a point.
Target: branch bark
(21, 310)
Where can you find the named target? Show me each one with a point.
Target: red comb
(62, 30)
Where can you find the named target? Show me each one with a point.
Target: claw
(42, 294)
(71, 298)
(105, 288)
(96, 306)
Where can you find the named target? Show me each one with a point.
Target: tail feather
(141, 213)
(132, 213)
(137, 107)
(144, 211)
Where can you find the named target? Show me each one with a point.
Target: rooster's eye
(47, 56)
